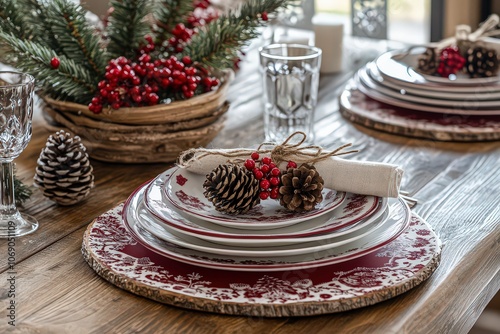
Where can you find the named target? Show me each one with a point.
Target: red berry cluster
(143, 82)
(450, 61)
(182, 33)
(267, 173)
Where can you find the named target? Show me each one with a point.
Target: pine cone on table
(427, 62)
(232, 189)
(64, 173)
(301, 188)
(481, 62)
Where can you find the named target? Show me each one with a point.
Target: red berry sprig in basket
(147, 81)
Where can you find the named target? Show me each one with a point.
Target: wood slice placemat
(360, 109)
(397, 267)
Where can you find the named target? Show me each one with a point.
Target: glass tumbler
(16, 112)
(290, 75)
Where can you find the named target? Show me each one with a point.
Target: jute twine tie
(278, 152)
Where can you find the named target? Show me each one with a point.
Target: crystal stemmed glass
(16, 112)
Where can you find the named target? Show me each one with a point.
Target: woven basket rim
(178, 110)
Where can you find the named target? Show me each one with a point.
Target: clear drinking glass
(16, 112)
(291, 77)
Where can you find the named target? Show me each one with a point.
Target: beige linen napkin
(367, 178)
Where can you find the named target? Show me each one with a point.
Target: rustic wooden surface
(457, 185)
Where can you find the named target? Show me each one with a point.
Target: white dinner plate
(397, 71)
(356, 212)
(458, 103)
(410, 57)
(376, 95)
(479, 93)
(399, 220)
(185, 191)
(322, 242)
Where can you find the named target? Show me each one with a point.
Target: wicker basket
(146, 134)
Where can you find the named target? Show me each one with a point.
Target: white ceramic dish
(356, 212)
(376, 95)
(459, 103)
(399, 212)
(478, 93)
(410, 58)
(185, 191)
(400, 64)
(143, 217)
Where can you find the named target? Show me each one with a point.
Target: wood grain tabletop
(457, 186)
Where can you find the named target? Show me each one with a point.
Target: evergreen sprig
(33, 32)
(12, 20)
(37, 21)
(22, 192)
(76, 37)
(216, 45)
(127, 26)
(71, 81)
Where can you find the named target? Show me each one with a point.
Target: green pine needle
(127, 26)
(75, 36)
(22, 192)
(216, 45)
(70, 81)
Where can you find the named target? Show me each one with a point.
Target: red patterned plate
(185, 191)
(357, 211)
(398, 219)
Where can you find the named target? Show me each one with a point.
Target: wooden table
(458, 192)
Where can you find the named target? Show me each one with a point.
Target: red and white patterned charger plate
(359, 108)
(355, 212)
(400, 265)
(185, 191)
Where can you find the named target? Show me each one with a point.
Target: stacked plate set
(171, 217)
(392, 95)
(393, 78)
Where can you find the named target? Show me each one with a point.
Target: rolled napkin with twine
(366, 178)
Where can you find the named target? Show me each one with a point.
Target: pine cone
(232, 189)
(427, 62)
(301, 188)
(64, 173)
(481, 62)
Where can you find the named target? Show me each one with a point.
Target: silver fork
(411, 201)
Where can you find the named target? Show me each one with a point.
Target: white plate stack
(393, 79)
(170, 216)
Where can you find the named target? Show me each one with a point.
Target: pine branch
(168, 13)
(127, 27)
(11, 19)
(22, 192)
(70, 81)
(38, 23)
(76, 37)
(216, 46)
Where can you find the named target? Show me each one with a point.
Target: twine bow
(278, 152)
(463, 33)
